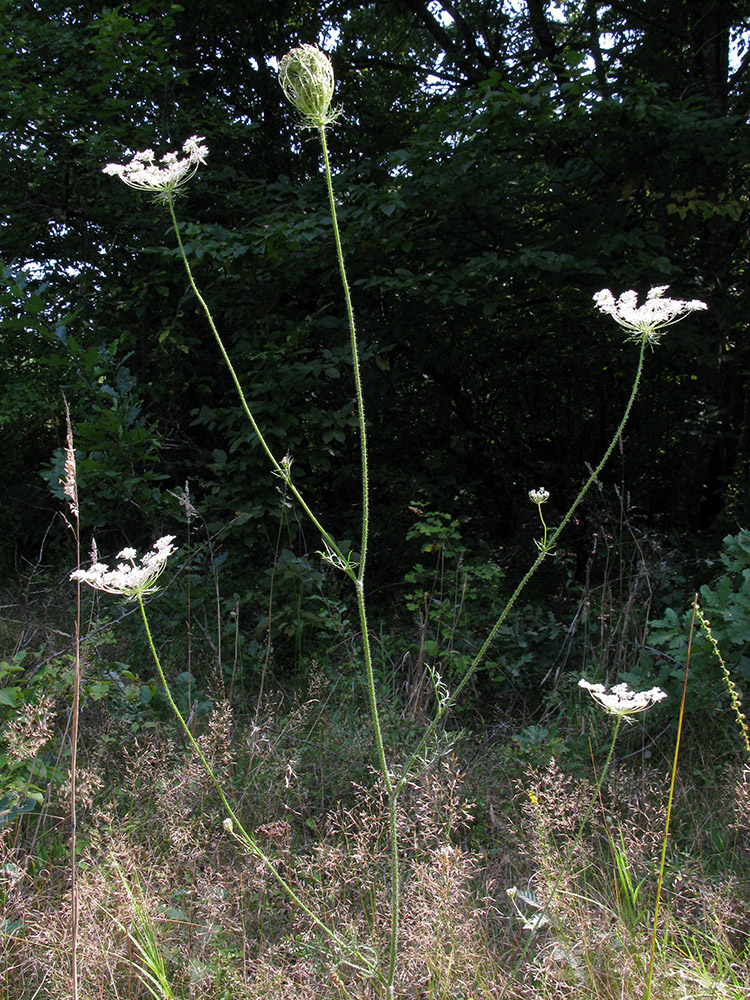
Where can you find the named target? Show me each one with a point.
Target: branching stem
(357, 575)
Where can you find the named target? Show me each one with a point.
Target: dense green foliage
(495, 166)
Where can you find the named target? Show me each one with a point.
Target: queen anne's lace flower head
(620, 700)
(539, 496)
(650, 319)
(306, 77)
(128, 579)
(166, 178)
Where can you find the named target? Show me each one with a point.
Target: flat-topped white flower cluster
(165, 178)
(128, 579)
(620, 700)
(539, 496)
(649, 319)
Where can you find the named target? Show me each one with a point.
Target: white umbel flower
(620, 700)
(165, 178)
(129, 579)
(539, 496)
(650, 319)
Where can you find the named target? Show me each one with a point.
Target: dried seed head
(69, 482)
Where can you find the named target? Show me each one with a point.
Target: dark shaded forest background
(496, 164)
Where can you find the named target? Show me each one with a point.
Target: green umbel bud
(306, 77)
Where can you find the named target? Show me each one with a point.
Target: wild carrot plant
(307, 80)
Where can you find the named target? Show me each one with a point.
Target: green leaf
(10, 695)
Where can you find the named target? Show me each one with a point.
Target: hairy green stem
(360, 588)
(237, 828)
(359, 583)
(544, 551)
(280, 470)
(670, 799)
(343, 562)
(355, 359)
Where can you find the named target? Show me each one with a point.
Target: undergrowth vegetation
(169, 908)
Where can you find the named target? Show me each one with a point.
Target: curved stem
(343, 561)
(237, 828)
(279, 469)
(444, 707)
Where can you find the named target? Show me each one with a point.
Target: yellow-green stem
(444, 707)
(277, 466)
(238, 829)
(662, 863)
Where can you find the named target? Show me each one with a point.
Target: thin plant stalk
(545, 548)
(662, 863)
(359, 583)
(355, 358)
(281, 469)
(233, 824)
(343, 562)
(359, 587)
(70, 489)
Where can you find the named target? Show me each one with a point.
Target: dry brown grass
(153, 849)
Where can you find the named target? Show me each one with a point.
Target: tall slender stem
(391, 792)
(360, 584)
(446, 705)
(344, 562)
(355, 359)
(670, 800)
(279, 469)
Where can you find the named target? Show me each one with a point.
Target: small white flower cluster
(620, 700)
(539, 496)
(649, 319)
(166, 180)
(128, 579)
